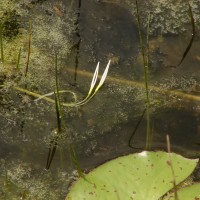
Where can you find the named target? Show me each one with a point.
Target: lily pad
(188, 193)
(140, 176)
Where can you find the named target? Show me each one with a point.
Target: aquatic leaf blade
(141, 176)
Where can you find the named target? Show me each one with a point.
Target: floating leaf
(140, 176)
(188, 193)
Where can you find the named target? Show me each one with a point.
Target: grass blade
(135, 129)
(29, 47)
(1, 43)
(18, 59)
(140, 33)
(146, 75)
(58, 114)
(57, 98)
(76, 164)
(169, 162)
(146, 68)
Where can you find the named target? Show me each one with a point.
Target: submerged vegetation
(1, 43)
(145, 59)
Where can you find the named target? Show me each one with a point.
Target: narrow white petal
(94, 79)
(103, 76)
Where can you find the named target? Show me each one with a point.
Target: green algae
(55, 36)
(168, 17)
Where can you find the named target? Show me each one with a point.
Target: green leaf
(188, 193)
(141, 176)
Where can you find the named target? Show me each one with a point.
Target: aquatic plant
(139, 176)
(29, 46)
(169, 162)
(92, 91)
(145, 58)
(58, 105)
(18, 59)
(1, 43)
(76, 164)
(192, 38)
(57, 98)
(57, 132)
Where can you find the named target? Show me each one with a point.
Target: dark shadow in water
(52, 149)
(107, 32)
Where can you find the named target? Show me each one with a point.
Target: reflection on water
(101, 129)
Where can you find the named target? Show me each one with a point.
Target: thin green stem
(77, 165)
(146, 71)
(18, 59)
(146, 68)
(1, 43)
(29, 47)
(140, 33)
(169, 162)
(192, 38)
(57, 98)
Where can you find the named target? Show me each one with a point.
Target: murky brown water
(101, 129)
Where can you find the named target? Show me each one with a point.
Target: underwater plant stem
(18, 59)
(140, 33)
(58, 116)
(169, 162)
(193, 35)
(29, 47)
(146, 69)
(54, 141)
(135, 129)
(57, 98)
(137, 84)
(76, 164)
(1, 43)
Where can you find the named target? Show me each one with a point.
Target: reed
(77, 165)
(146, 71)
(1, 43)
(18, 59)
(57, 98)
(29, 47)
(169, 162)
(193, 35)
(145, 58)
(54, 142)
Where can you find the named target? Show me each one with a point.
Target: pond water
(82, 33)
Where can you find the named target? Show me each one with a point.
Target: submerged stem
(57, 98)
(18, 59)
(1, 43)
(192, 38)
(29, 46)
(146, 68)
(140, 33)
(169, 162)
